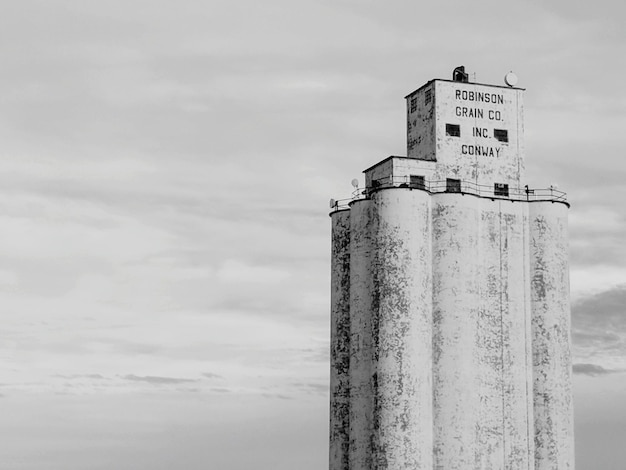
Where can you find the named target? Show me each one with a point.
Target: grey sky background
(165, 171)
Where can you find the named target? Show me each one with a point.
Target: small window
(428, 96)
(501, 189)
(413, 104)
(453, 130)
(453, 186)
(417, 182)
(501, 134)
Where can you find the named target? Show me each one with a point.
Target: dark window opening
(453, 186)
(413, 104)
(428, 96)
(501, 189)
(453, 130)
(501, 134)
(417, 182)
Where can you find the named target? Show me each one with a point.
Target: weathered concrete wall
(553, 409)
(397, 170)
(404, 167)
(363, 389)
(403, 331)
(421, 123)
(481, 334)
(505, 429)
(482, 282)
(456, 269)
(340, 342)
(516, 333)
(476, 155)
(382, 173)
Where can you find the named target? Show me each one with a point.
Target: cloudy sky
(165, 170)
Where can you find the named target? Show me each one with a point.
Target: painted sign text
(480, 150)
(479, 96)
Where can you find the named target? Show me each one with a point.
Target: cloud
(277, 395)
(156, 380)
(598, 339)
(603, 310)
(599, 326)
(165, 183)
(587, 281)
(211, 375)
(82, 376)
(597, 231)
(593, 370)
(313, 387)
(235, 271)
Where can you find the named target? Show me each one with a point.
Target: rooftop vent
(459, 75)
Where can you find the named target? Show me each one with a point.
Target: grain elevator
(450, 315)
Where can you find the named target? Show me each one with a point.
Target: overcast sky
(165, 170)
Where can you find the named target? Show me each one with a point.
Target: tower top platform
(462, 137)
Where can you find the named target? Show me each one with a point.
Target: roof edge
(468, 83)
(395, 156)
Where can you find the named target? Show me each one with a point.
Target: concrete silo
(450, 335)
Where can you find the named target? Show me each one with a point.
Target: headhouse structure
(450, 314)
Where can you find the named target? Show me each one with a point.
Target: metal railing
(455, 186)
(342, 204)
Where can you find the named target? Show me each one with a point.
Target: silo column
(340, 342)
